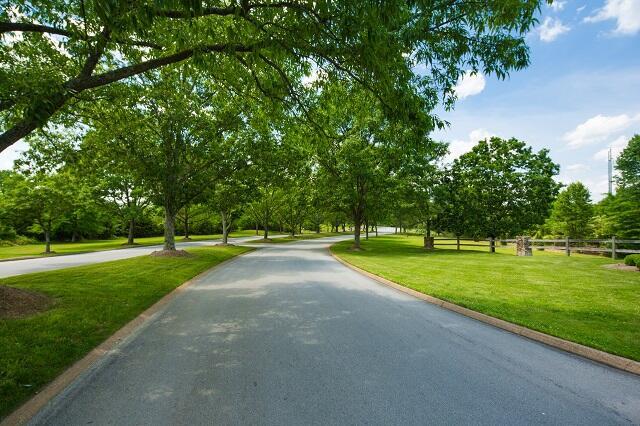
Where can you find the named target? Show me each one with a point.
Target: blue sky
(579, 96)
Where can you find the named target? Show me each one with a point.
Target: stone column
(523, 246)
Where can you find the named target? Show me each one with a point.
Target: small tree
(572, 212)
(628, 165)
(45, 200)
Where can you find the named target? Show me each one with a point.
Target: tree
(44, 199)
(7, 232)
(124, 192)
(60, 52)
(418, 184)
(619, 214)
(227, 198)
(628, 166)
(572, 212)
(166, 145)
(358, 149)
(504, 188)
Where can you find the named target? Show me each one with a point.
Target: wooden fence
(612, 246)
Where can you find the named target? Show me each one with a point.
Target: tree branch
(7, 27)
(52, 104)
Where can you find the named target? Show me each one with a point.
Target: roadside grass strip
(575, 298)
(90, 303)
(36, 250)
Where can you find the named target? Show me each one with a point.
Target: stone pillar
(523, 246)
(429, 243)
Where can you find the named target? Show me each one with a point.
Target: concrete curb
(29, 409)
(592, 354)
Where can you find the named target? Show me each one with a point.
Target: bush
(7, 233)
(632, 260)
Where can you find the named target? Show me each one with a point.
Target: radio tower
(610, 172)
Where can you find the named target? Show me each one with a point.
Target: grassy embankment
(36, 250)
(89, 304)
(574, 298)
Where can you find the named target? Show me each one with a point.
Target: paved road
(287, 335)
(26, 266)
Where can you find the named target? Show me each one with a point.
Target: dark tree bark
(130, 238)
(225, 228)
(169, 230)
(356, 232)
(47, 241)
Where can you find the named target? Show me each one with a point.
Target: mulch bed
(18, 303)
(622, 267)
(171, 253)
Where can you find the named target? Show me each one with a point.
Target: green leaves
(503, 188)
(259, 47)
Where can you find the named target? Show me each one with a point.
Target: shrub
(632, 260)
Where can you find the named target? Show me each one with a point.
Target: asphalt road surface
(25, 266)
(287, 335)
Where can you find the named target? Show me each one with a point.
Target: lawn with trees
(150, 122)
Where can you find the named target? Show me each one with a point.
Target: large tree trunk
(47, 241)
(256, 228)
(366, 229)
(356, 233)
(169, 230)
(225, 228)
(130, 237)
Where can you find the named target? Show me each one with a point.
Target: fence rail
(610, 246)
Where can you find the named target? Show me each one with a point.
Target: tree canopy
(56, 54)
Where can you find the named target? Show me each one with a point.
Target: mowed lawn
(570, 297)
(300, 237)
(34, 250)
(90, 304)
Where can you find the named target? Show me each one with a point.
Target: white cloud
(551, 29)
(598, 129)
(625, 12)
(469, 85)
(577, 167)
(458, 147)
(581, 8)
(617, 146)
(558, 5)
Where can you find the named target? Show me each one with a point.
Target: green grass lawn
(299, 237)
(91, 303)
(570, 297)
(31, 250)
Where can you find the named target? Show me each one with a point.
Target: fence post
(492, 245)
(613, 246)
(458, 243)
(567, 247)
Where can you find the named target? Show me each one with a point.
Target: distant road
(26, 266)
(286, 335)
